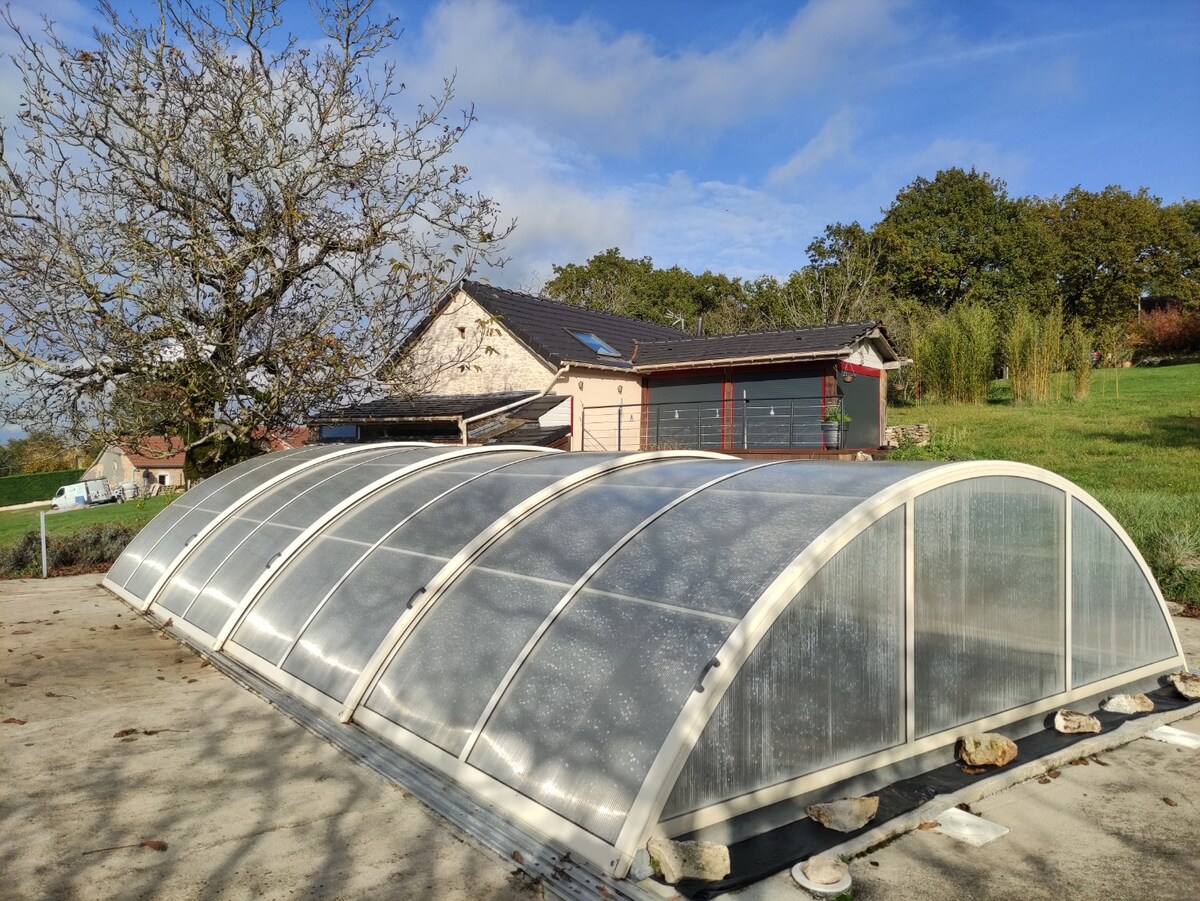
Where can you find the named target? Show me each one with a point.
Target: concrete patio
(249, 803)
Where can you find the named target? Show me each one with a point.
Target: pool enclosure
(607, 647)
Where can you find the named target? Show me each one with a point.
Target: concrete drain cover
(1174, 736)
(966, 827)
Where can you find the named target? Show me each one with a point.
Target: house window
(462, 331)
(596, 345)
(162, 478)
(339, 432)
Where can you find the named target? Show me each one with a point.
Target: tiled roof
(447, 406)
(545, 326)
(282, 439)
(804, 341)
(155, 452)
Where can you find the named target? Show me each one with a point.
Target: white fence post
(45, 560)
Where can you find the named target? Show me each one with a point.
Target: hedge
(91, 549)
(35, 486)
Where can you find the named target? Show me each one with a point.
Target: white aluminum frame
(555, 826)
(249, 535)
(196, 540)
(437, 586)
(643, 818)
(336, 512)
(129, 597)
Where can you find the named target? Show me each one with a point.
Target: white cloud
(614, 92)
(831, 142)
(567, 212)
(965, 153)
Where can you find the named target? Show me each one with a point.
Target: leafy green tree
(42, 452)
(1117, 247)
(711, 302)
(961, 238)
(608, 282)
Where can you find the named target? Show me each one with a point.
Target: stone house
(155, 461)
(494, 366)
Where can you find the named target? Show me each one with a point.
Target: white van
(82, 494)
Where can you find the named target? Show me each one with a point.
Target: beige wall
(596, 389)
(117, 468)
(866, 355)
(112, 465)
(464, 351)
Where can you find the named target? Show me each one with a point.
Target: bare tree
(209, 228)
(843, 283)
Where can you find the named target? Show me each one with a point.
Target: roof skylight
(595, 344)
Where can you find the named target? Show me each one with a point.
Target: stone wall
(895, 435)
(466, 351)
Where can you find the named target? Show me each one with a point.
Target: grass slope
(15, 523)
(1133, 442)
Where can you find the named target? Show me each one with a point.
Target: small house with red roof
(152, 461)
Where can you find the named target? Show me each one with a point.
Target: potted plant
(833, 429)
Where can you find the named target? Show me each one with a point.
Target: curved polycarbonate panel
(440, 681)
(213, 501)
(585, 716)
(1117, 623)
(989, 576)
(148, 537)
(824, 686)
(330, 655)
(562, 669)
(738, 535)
(287, 602)
(211, 582)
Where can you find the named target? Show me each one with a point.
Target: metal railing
(783, 423)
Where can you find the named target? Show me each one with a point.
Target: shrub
(87, 550)
(954, 355)
(1166, 332)
(944, 444)
(1078, 354)
(1032, 350)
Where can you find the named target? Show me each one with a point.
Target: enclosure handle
(712, 664)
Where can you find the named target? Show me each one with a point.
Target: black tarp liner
(757, 858)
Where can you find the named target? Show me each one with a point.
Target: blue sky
(725, 136)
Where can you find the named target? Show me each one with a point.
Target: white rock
(689, 860)
(1070, 721)
(1174, 608)
(986, 749)
(861, 458)
(845, 815)
(1187, 684)
(1128, 704)
(825, 869)
(640, 868)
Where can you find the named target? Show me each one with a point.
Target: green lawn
(1133, 442)
(15, 523)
